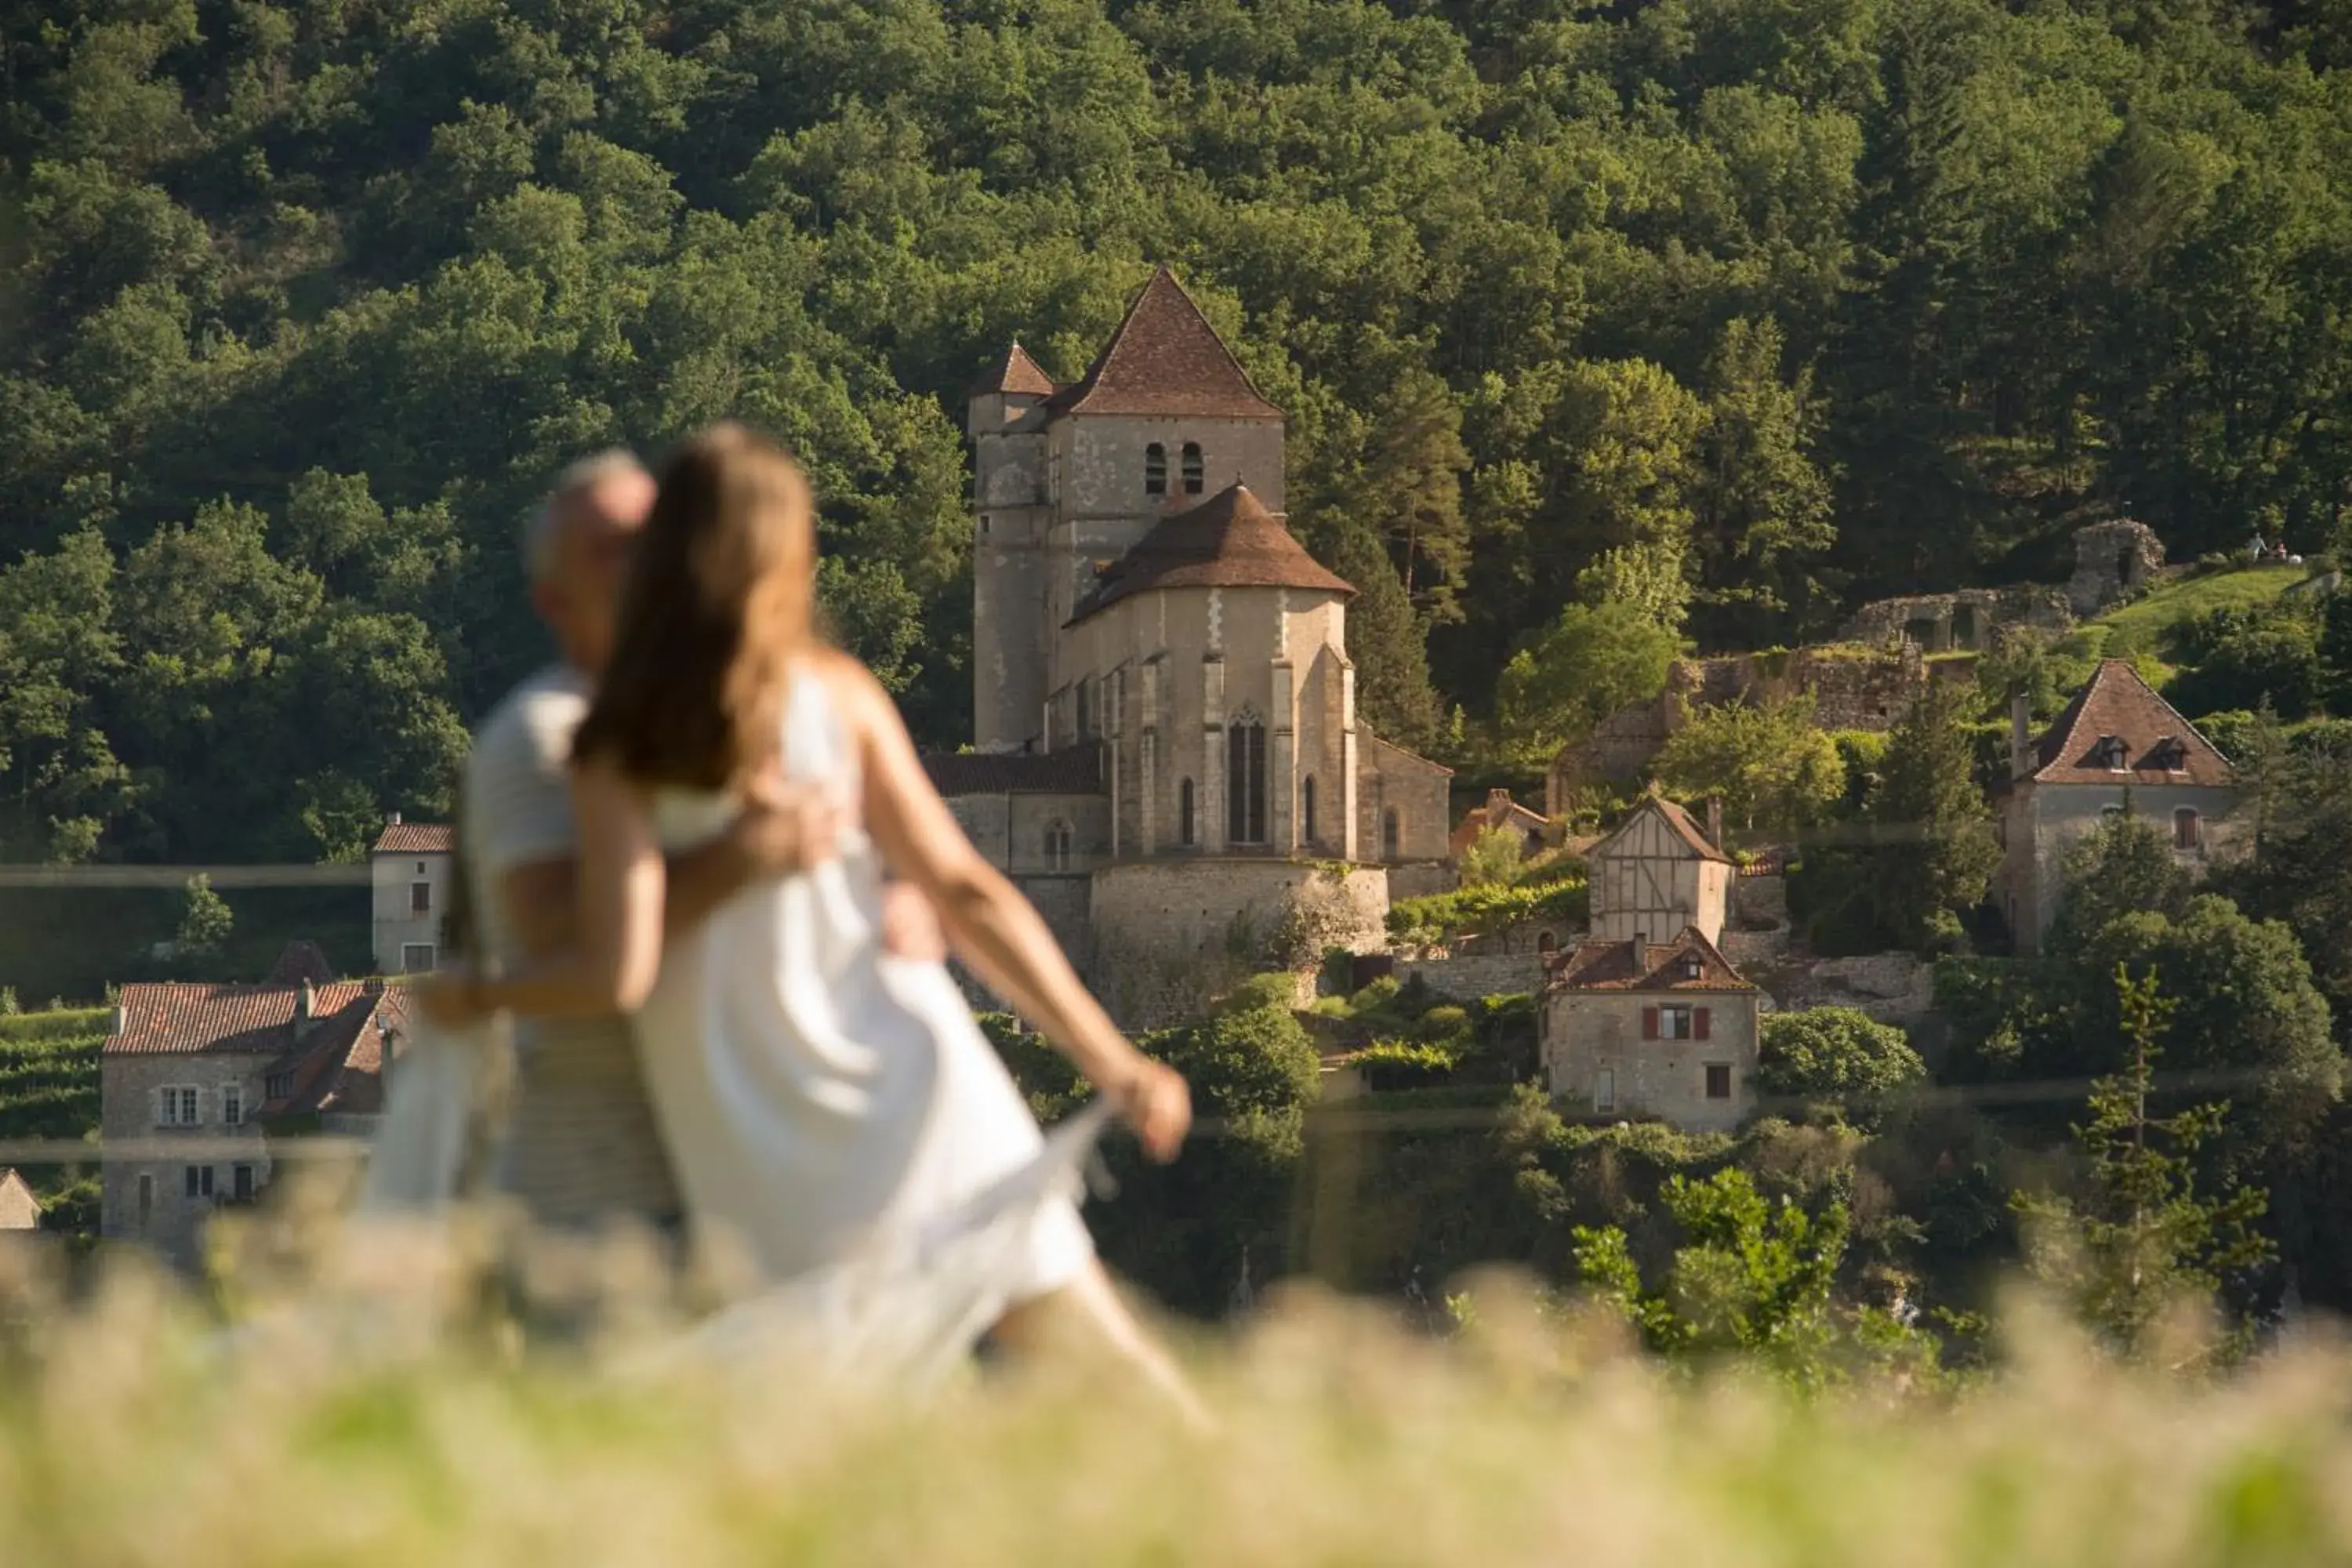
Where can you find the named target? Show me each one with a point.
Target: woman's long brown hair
(719, 600)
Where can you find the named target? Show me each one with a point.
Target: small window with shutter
(1719, 1080)
(2187, 829)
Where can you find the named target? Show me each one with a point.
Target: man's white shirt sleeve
(519, 785)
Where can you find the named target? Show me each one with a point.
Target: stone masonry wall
(1167, 935)
(128, 1084)
(1472, 975)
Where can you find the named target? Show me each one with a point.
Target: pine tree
(2143, 1238)
(1386, 641)
(1932, 834)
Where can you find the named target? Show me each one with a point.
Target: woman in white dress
(814, 1092)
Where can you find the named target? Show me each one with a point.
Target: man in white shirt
(583, 1148)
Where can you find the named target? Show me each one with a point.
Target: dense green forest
(1730, 310)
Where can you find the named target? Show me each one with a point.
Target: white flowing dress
(820, 1099)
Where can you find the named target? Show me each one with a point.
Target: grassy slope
(2138, 627)
(1343, 1442)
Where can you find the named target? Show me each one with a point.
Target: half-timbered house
(1659, 872)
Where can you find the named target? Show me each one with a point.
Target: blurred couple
(729, 1022)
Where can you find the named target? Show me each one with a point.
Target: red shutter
(1702, 1018)
(1649, 1023)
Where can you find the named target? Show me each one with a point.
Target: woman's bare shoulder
(856, 693)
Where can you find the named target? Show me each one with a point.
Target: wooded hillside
(1727, 311)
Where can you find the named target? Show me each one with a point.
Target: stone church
(1167, 757)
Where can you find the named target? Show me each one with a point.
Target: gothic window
(1184, 830)
(1194, 471)
(1306, 808)
(1245, 780)
(1155, 469)
(1391, 832)
(1058, 844)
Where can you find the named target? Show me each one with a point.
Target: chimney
(122, 1018)
(1497, 798)
(1715, 820)
(2020, 738)
(306, 1004)
(395, 819)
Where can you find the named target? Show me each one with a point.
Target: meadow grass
(2138, 627)
(400, 1429)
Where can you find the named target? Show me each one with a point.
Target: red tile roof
(1073, 770)
(416, 838)
(182, 1018)
(338, 1066)
(1500, 810)
(1165, 359)
(1229, 540)
(2159, 745)
(1620, 967)
(1015, 375)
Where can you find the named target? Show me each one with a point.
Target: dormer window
(1155, 469)
(2169, 754)
(1693, 967)
(1194, 470)
(2114, 754)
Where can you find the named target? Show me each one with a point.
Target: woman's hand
(1153, 1100)
(450, 997)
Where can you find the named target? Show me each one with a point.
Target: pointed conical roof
(1229, 540)
(1165, 359)
(1015, 375)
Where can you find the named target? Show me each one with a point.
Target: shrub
(1493, 857)
(1446, 1025)
(1399, 1064)
(1259, 991)
(9, 1007)
(1837, 1054)
(1480, 910)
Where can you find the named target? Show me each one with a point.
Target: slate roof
(1229, 540)
(301, 961)
(1073, 770)
(2115, 701)
(1646, 967)
(1015, 375)
(416, 838)
(1165, 359)
(1683, 824)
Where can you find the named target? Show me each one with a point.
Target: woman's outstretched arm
(620, 883)
(992, 927)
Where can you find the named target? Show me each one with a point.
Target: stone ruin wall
(1850, 692)
(2113, 561)
(1971, 620)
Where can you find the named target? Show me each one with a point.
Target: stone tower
(1005, 418)
(1068, 480)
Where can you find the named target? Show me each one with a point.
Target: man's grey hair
(577, 480)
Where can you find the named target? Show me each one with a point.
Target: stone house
(2117, 749)
(1500, 814)
(1136, 599)
(20, 1208)
(1644, 1028)
(1657, 873)
(200, 1085)
(411, 869)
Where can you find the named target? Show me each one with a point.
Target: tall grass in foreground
(380, 1418)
